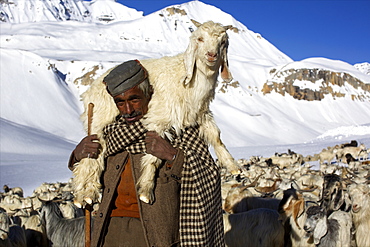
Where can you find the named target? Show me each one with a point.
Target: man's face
(132, 104)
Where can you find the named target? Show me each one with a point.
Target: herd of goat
(275, 201)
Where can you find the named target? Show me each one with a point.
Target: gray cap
(125, 76)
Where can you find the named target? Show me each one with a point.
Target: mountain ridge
(80, 51)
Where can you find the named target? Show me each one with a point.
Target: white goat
(360, 196)
(35, 231)
(234, 196)
(326, 155)
(258, 227)
(13, 191)
(332, 231)
(364, 154)
(11, 203)
(354, 151)
(184, 86)
(286, 161)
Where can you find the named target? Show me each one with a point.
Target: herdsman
(187, 207)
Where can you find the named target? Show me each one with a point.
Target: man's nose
(129, 108)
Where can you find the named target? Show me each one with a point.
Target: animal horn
(197, 24)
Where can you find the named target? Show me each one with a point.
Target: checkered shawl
(201, 221)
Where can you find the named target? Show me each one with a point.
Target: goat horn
(308, 190)
(197, 24)
(307, 202)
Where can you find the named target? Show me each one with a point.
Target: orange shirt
(126, 204)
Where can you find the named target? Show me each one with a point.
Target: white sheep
(184, 86)
(333, 231)
(258, 227)
(360, 196)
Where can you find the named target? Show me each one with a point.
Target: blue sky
(336, 29)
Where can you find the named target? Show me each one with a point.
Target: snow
(44, 57)
(363, 67)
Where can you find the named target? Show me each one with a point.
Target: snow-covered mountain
(67, 55)
(18, 11)
(363, 67)
(52, 50)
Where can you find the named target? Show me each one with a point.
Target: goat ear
(320, 230)
(225, 72)
(189, 61)
(346, 202)
(287, 205)
(301, 207)
(338, 200)
(298, 210)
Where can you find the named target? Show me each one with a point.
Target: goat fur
(292, 213)
(354, 151)
(360, 196)
(286, 161)
(258, 227)
(334, 195)
(11, 235)
(183, 91)
(332, 231)
(61, 231)
(184, 85)
(326, 155)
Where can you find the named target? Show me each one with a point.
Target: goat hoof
(146, 194)
(88, 200)
(144, 199)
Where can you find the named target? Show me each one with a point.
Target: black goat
(334, 196)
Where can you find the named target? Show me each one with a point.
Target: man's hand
(159, 147)
(88, 147)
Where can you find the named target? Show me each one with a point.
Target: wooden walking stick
(88, 207)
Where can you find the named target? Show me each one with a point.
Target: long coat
(160, 220)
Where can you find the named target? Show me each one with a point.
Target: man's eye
(120, 104)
